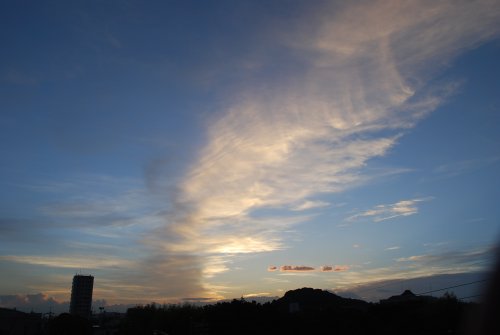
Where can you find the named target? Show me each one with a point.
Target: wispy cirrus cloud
(475, 258)
(87, 204)
(454, 169)
(390, 211)
(308, 204)
(73, 262)
(432, 264)
(393, 248)
(100, 200)
(363, 74)
(362, 82)
(120, 279)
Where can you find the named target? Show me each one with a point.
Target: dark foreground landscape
(301, 311)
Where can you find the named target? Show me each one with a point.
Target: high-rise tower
(81, 295)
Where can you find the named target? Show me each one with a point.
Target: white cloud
(308, 204)
(364, 81)
(393, 248)
(276, 280)
(390, 211)
(214, 265)
(260, 294)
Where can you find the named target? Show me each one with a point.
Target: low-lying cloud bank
(38, 302)
(383, 289)
(304, 268)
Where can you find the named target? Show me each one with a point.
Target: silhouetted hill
(307, 295)
(406, 296)
(315, 299)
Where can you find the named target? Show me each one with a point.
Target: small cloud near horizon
(295, 268)
(303, 268)
(254, 295)
(339, 268)
(393, 248)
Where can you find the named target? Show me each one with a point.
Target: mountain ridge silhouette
(307, 298)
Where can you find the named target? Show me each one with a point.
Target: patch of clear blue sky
(75, 98)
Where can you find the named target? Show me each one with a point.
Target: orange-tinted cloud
(339, 268)
(295, 268)
(336, 268)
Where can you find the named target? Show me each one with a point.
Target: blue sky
(209, 150)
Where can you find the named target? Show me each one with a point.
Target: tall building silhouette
(81, 295)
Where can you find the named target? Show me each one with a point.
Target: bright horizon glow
(188, 151)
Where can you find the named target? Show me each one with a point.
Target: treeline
(302, 311)
(434, 316)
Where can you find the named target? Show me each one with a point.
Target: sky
(205, 150)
